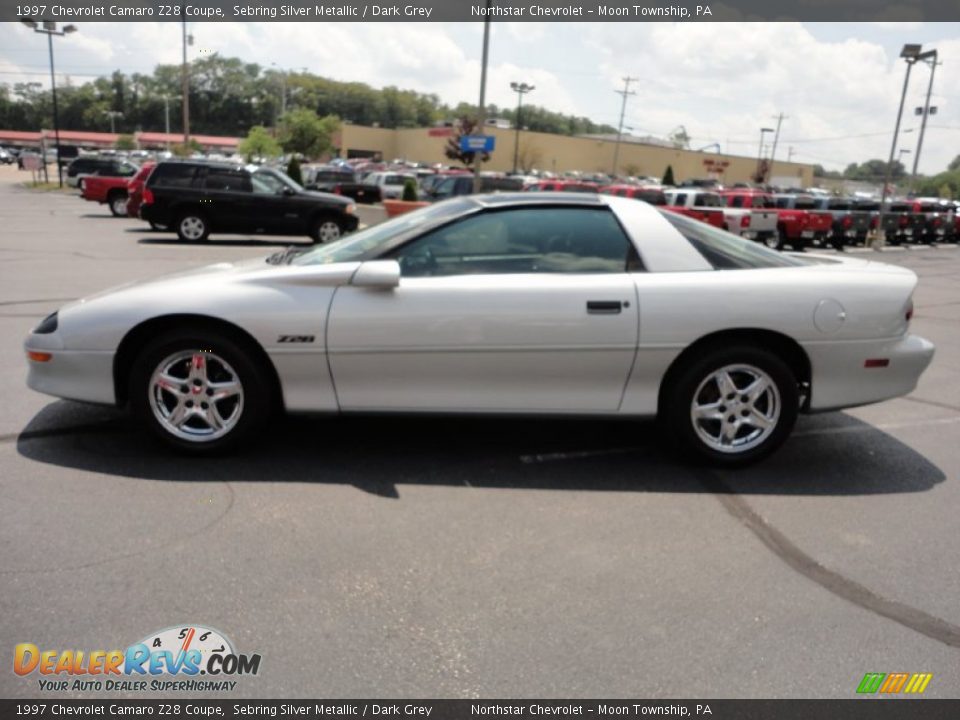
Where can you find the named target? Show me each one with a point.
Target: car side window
(172, 176)
(227, 180)
(737, 201)
(266, 184)
(521, 240)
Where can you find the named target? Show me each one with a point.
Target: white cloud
(722, 81)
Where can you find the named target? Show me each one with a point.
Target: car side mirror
(383, 274)
(288, 191)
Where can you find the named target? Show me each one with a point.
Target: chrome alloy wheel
(192, 227)
(328, 231)
(735, 408)
(196, 395)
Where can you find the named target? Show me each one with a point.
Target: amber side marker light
(876, 362)
(39, 356)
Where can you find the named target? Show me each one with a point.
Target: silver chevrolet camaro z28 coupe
(546, 303)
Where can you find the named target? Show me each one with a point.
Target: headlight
(350, 209)
(47, 325)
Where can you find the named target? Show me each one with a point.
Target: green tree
(186, 150)
(465, 126)
(259, 143)
(125, 142)
(668, 176)
(293, 170)
(301, 131)
(954, 164)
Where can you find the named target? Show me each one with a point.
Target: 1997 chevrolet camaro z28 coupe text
(546, 303)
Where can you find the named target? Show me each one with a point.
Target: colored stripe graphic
(871, 682)
(918, 682)
(894, 682)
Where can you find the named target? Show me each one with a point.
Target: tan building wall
(560, 153)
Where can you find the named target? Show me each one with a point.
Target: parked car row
(196, 197)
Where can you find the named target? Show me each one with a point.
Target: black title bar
(859, 709)
(476, 10)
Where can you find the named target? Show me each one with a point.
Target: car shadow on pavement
(172, 239)
(832, 454)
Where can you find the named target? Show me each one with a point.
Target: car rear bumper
(842, 379)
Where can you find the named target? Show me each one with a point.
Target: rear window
(840, 205)
(726, 251)
(805, 204)
(394, 180)
(172, 175)
(654, 197)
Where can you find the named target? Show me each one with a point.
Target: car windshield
(726, 251)
(365, 243)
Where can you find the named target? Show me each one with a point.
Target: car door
(275, 208)
(515, 310)
(228, 200)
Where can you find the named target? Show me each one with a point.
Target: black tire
(777, 241)
(694, 379)
(226, 357)
(192, 226)
(117, 201)
(322, 229)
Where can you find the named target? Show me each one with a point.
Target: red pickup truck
(108, 189)
(652, 195)
(793, 226)
(703, 206)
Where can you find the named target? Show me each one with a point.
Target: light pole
(912, 54)
(50, 29)
(185, 87)
(520, 89)
(113, 114)
(926, 110)
(166, 115)
(623, 110)
(761, 175)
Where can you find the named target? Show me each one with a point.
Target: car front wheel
(732, 407)
(198, 392)
(325, 230)
(192, 227)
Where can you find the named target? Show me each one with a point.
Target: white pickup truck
(751, 223)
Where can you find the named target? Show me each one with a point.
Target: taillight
(909, 314)
(936, 222)
(147, 196)
(847, 222)
(745, 221)
(873, 223)
(336, 190)
(903, 221)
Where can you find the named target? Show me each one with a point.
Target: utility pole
(185, 83)
(482, 107)
(623, 111)
(790, 154)
(923, 123)
(520, 89)
(773, 153)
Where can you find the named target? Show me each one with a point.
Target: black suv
(114, 167)
(195, 198)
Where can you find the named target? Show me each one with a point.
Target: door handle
(604, 307)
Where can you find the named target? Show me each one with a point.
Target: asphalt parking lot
(473, 558)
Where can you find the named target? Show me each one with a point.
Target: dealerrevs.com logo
(180, 658)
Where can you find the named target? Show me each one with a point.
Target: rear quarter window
(172, 176)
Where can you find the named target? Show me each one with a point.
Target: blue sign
(477, 143)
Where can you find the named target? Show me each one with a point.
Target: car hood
(326, 197)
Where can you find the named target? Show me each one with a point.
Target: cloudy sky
(838, 84)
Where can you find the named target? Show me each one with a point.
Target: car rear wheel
(199, 392)
(192, 227)
(326, 229)
(732, 407)
(118, 204)
(776, 240)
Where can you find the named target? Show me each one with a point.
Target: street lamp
(50, 29)
(912, 54)
(763, 132)
(113, 114)
(166, 115)
(520, 89)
